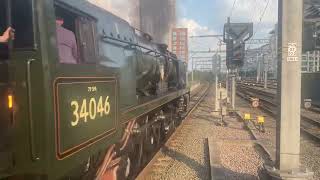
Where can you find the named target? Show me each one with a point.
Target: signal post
(235, 36)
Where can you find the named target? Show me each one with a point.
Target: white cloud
(195, 29)
(199, 44)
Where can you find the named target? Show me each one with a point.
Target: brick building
(179, 44)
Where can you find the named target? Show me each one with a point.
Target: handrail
(34, 157)
(130, 44)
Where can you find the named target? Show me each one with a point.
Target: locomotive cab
(13, 79)
(59, 119)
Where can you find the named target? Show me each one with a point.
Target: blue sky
(203, 13)
(203, 17)
(212, 14)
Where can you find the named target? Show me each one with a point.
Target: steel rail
(309, 126)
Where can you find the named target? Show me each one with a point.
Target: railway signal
(229, 52)
(238, 53)
(235, 35)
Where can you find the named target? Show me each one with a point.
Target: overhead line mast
(288, 164)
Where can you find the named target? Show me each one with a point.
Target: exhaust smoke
(155, 17)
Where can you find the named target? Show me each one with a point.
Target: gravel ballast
(187, 156)
(309, 149)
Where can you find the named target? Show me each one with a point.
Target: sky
(208, 17)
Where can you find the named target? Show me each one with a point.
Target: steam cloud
(156, 17)
(125, 9)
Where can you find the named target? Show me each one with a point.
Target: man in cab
(67, 44)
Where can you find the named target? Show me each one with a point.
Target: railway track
(310, 119)
(271, 84)
(315, 108)
(159, 164)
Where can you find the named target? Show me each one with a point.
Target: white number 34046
(90, 109)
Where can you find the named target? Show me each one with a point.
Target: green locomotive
(98, 118)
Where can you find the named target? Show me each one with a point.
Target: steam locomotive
(98, 119)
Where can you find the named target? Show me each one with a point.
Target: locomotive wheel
(173, 122)
(163, 134)
(186, 104)
(152, 139)
(137, 157)
(128, 168)
(157, 134)
(140, 154)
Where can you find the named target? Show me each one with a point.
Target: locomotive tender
(97, 119)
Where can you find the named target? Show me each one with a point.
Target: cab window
(76, 36)
(3, 25)
(23, 23)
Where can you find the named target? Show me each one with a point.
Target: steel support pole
(228, 71)
(227, 86)
(287, 164)
(265, 73)
(216, 107)
(215, 62)
(288, 132)
(314, 62)
(233, 94)
(265, 78)
(192, 77)
(318, 61)
(258, 69)
(308, 61)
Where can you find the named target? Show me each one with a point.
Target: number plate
(86, 112)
